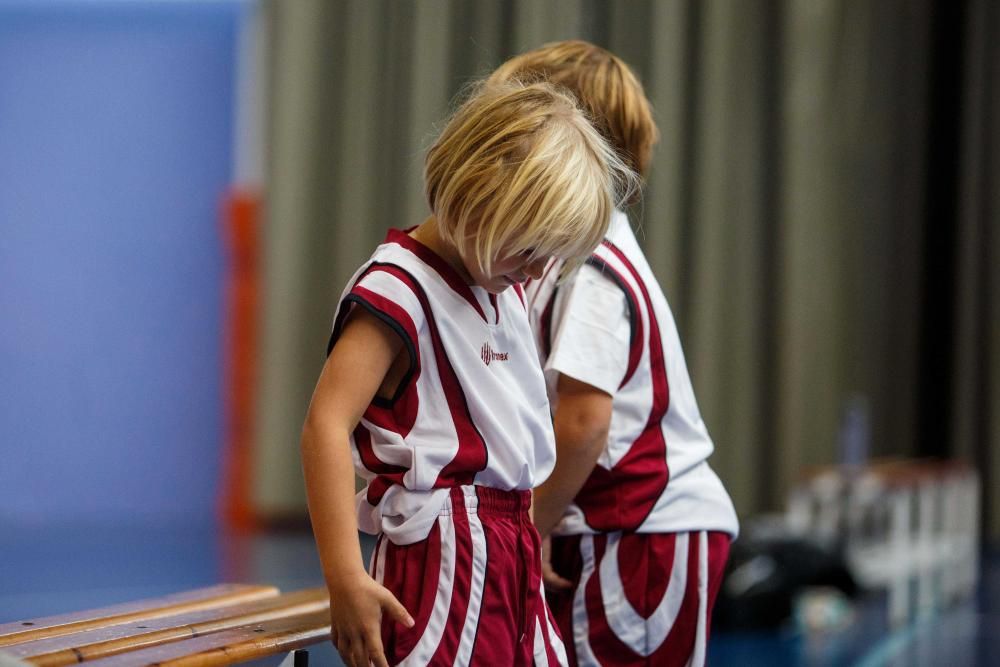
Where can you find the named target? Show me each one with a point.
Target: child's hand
(553, 581)
(356, 610)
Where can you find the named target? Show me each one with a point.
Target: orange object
(241, 221)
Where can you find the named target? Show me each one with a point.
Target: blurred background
(185, 187)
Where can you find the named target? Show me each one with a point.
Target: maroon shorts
(473, 586)
(638, 599)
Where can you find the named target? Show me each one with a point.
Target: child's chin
(497, 285)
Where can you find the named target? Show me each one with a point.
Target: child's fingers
(344, 649)
(395, 608)
(376, 654)
(358, 654)
(352, 649)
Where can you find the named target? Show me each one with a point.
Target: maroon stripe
(377, 488)
(519, 290)
(676, 649)
(471, 456)
(388, 474)
(369, 459)
(644, 564)
(343, 312)
(662, 549)
(605, 644)
(411, 573)
(622, 498)
(532, 605)
(388, 307)
(402, 415)
(461, 589)
(547, 636)
(658, 367)
(436, 262)
(647, 468)
(636, 341)
(497, 636)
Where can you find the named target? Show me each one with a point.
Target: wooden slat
(177, 603)
(103, 642)
(228, 646)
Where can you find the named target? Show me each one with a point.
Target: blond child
(642, 525)
(432, 386)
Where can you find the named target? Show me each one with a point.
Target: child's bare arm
(581, 420)
(351, 377)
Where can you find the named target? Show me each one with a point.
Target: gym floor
(50, 571)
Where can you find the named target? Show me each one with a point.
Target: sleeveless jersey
(653, 475)
(472, 408)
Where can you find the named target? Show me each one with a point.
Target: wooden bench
(219, 625)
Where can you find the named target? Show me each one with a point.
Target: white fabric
(591, 340)
(424, 649)
(558, 647)
(694, 498)
(506, 397)
(450, 566)
(478, 584)
(581, 618)
(643, 635)
(701, 632)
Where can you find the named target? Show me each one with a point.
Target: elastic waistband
(486, 500)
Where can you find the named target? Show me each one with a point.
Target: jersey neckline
(451, 277)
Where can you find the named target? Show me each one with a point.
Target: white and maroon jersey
(609, 325)
(472, 408)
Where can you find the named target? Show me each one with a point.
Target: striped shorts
(638, 599)
(473, 586)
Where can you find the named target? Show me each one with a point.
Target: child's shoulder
(391, 274)
(406, 271)
(400, 256)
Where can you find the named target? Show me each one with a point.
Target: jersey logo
(489, 355)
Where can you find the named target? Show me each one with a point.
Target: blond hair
(519, 169)
(604, 85)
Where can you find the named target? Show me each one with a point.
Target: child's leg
(472, 585)
(638, 599)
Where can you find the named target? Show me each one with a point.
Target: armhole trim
(393, 324)
(633, 308)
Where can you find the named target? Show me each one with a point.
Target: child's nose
(535, 269)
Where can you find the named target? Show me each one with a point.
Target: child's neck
(429, 235)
